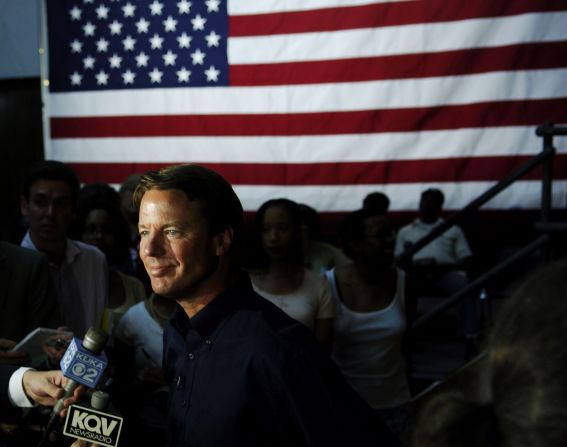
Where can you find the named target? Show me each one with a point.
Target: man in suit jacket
(27, 300)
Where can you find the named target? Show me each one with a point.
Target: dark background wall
(21, 136)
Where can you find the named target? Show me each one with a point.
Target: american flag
(320, 101)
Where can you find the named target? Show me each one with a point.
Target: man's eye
(40, 202)
(143, 233)
(172, 232)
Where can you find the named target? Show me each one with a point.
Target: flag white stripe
(525, 194)
(332, 148)
(269, 6)
(407, 93)
(404, 39)
(403, 197)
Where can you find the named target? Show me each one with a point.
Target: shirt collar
(72, 249)
(209, 318)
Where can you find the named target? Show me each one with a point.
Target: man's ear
(223, 241)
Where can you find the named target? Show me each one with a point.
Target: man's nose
(274, 235)
(152, 244)
(50, 210)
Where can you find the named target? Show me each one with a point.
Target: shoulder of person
(88, 250)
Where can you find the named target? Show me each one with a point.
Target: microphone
(83, 363)
(94, 423)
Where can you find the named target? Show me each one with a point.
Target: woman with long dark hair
(278, 272)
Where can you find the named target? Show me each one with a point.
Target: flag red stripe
(449, 63)
(487, 114)
(388, 172)
(382, 14)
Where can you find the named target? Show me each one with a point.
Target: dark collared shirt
(242, 373)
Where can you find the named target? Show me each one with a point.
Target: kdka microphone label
(82, 365)
(92, 426)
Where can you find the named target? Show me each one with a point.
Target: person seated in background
(278, 273)
(78, 270)
(519, 396)
(446, 257)
(27, 299)
(319, 256)
(439, 268)
(371, 320)
(376, 201)
(100, 223)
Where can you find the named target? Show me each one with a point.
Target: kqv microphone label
(92, 425)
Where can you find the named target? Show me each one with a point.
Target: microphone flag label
(82, 365)
(92, 425)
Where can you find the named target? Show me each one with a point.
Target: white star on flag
(169, 58)
(198, 23)
(76, 46)
(76, 78)
(212, 74)
(102, 12)
(213, 39)
(115, 27)
(88, 62)
(170, 24)
(212, 5)
(183, 75)
(156, 42)
(142, 59)
(155, 76)
(129, 43)
(115, 61)
(184, 7)
(184, 41)
(198, 57)
(102, 45)
(143, 25)
(101, 78)
(128, 77)
(89, 29)
(156, 8)
(75, 13)
(128, 10)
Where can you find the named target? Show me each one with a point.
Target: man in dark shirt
(240, 372)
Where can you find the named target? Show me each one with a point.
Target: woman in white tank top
(370, 321)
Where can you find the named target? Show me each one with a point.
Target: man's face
(176, 246)
(49, 211)
(429, 208)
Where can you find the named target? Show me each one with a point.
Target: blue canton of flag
(110, 44)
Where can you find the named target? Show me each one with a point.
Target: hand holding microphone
(83, 363)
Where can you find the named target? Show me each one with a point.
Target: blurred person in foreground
(520, 395)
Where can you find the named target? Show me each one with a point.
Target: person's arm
(10, 357)
(28, 387)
